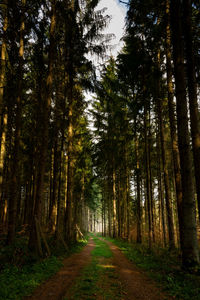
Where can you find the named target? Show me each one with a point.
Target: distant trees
(156, 151)
(112, 159)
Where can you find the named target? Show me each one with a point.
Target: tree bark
(164, 160)
(192, 91)
(114, 202)
(69, 204)
(190, 251)
(3, 114)
(14, 179)
(3, 68)
(147, 163)
(139, 217)
(172, 120)
(53, 197)
(160, 194)
(34, 243)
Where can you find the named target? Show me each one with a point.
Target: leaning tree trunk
(190, 251)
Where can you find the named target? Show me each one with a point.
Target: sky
(117, 12)
(116, 26)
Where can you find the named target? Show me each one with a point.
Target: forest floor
(100, 271)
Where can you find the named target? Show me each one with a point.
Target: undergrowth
(17, 282)
(21, 272)
(165, 268)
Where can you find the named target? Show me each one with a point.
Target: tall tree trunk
(190, 251)
(192, 90)
(172, 120)
(69, 204)
(127, 195)
(3, 64)
(114, 202)
(60, 206)
(119, 205)
(104, 214)
(139, 217)
(164, 160)
(3, 114)
(53, 196)
(34, 243)
(69, 69)
(160, 194)
(152, 202)
(148, 188)
(14, 179)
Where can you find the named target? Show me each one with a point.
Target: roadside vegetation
(164, 267)
(21, 274)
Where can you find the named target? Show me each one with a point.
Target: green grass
(165, 268)
(17, 282)
(101, 249)
(99, 277)
(22, 273)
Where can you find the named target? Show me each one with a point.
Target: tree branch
(127, 3)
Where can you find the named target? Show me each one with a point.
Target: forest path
(136, 283)
(99, 272)
(56, 287)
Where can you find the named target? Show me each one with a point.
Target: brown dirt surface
(136, 283)
(131, 282)
(56, 287)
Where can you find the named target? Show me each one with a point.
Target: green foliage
(17, 282)
(164, 268)
(23, 273)
(58, 249)
(78, 246)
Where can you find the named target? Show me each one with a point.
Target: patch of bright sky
(117, 11)
(116, 26)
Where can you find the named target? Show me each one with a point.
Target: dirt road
(56, 287)
(137, 284)
(126, 281)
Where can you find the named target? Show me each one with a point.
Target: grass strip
(99, 277)
(101, 249)
(163, 267)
